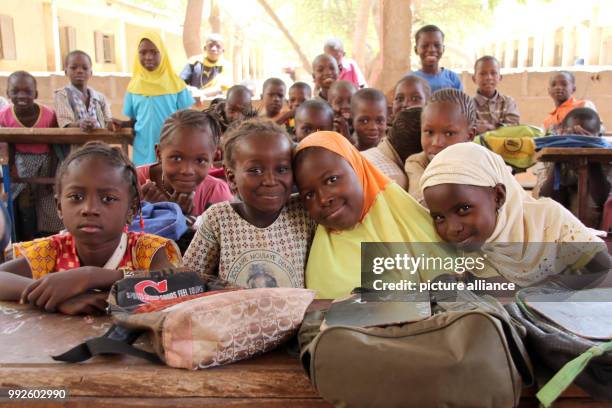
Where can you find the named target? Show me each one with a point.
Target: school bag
(515, 144)
(164, 219)
(554, 349)
(468, 353)
(194, 323)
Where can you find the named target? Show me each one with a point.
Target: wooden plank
(64, 135)
(571, 153)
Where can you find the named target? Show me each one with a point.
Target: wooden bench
(28, 337)
(581, 157)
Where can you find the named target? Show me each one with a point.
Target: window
(8, 50)
(105, 48)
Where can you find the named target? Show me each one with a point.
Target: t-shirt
(150, 112)
(210, 191)
(555, 117)
(230, 247)
(415, 167)
(386, 159)
(349, 71)
(46, 119)
(443, 79)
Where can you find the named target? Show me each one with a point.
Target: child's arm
(285, 117)
(15, 276)
(511, 115)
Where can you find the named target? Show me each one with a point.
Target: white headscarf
(521, 219)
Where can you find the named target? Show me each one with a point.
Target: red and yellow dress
(58, 253)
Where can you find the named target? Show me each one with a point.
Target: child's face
(487, 77)
(325, 72)
(78, 70)
(308, 121)
(330, 189)
(370, 122)
(560, 88)
(297, 96)
(213, 49)
(430, 48)
(22, 92)
(237, 106)
(273, 97)
(464, 215)
(443, 125)
(95, 200)
(148, 55)
(340, 101)
(186, 158)
(407, 95)
(261, 172)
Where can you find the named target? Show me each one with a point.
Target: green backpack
(515, 144)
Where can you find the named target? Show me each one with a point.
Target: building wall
(29, 32)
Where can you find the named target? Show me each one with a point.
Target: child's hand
(151, 193)
(86, 303)
(185, 201)
(87, 124)
(113, 125)
(55, 288)
(118, 123)
(341, 126)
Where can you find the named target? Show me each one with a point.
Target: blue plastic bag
(164, 219)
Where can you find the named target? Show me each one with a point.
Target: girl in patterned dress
(263, 239)
(97, 196)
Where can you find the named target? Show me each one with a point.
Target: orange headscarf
(371, 179)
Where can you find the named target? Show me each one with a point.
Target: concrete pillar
(538, 50)
(122, 44)
(595, 36)
(548, 52)
(396, 42)
(569, 46)
(51, 30)
(522, 52)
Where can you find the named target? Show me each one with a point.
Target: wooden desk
(581, 157)
(28, 337)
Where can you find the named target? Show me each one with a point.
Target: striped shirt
(498, 110)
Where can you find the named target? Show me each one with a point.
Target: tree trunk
(361, 32)
(191, 28)
(305, 61)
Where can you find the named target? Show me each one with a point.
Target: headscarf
(372, 180)
(521, 219)
(389, 215)
(163, 80)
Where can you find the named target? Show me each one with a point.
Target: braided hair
(459, 98)
(115, 157)
(192, 119)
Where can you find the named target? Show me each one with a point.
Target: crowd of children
(365, 169)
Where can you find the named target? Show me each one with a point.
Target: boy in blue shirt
(429, 46)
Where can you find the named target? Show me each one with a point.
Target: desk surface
(570, 153)
(64, 135)
(28, 337)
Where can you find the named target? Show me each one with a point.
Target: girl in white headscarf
(476, 204)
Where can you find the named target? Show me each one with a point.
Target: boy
(324, 73)
(339, 98)
(272, 99)
(312, 116)
(403, 140)
(299, 92)
(369, 110)
(236, 108)
(429, 46)
(212, 74)
(585, 122)
(349, 70)
(561, 86)
(410, 91)
(493, 110)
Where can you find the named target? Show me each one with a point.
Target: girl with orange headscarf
(353, 202)
(153, 94)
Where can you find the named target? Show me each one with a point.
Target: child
(211, 75)
(324, 74)
(448, 117)
(561, 87)
(403, 140)
(236, 108)
(299, 93)
(410, 91)
(369, 109)
(339, 96)
(353, 203)
(272, 99)
(476, 203)
(153, 94)
(185, 153)
(349, 70)
(97, 190)
(429, 46)
(585, 122)
(35, 204)
(263, 238)
(312, 116)
(493, 109)
(76, 104)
